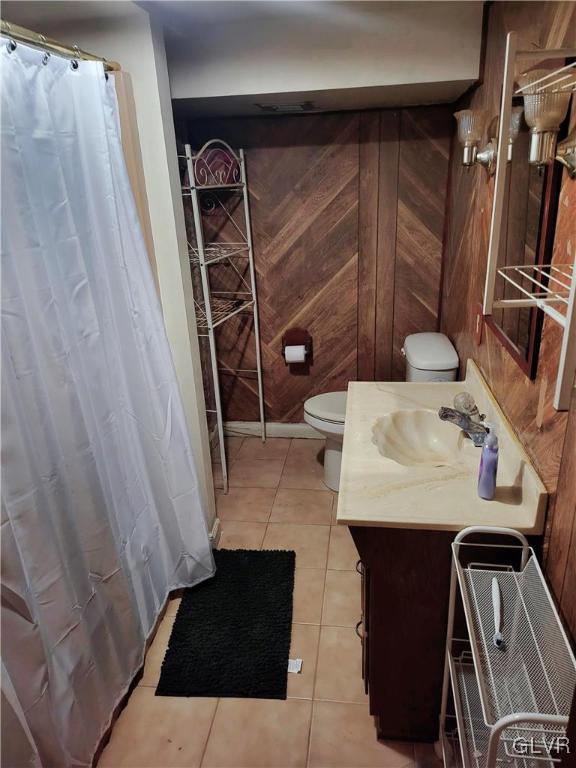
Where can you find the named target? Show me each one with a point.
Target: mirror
(526, 238)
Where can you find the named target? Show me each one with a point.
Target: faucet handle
(464, 402)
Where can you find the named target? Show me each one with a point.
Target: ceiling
(225, 57)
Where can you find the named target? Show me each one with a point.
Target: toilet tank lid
(430, 352)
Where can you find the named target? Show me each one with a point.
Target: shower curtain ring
(11, 45)
(74, 64)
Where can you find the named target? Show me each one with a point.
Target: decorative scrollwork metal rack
(213, 172)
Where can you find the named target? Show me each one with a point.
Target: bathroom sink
(402, 467)
(419, 438)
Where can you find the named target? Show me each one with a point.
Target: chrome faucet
(466, 415)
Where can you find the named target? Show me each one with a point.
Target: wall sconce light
(471, 125)
(566, 153)
(544, 111)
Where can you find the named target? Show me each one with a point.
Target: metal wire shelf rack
(216, 252)
(546, 286)
(221, 310)
(216, 166)
(537, 671)
(474, 733)
(517, 694)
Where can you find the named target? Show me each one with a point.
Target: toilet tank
(430, 357)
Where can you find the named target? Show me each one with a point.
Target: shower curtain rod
(23, 35)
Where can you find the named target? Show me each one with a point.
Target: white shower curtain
(100, 508)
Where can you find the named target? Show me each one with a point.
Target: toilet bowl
(326, 413)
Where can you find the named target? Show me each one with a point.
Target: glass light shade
(544, 111)
(471, 125)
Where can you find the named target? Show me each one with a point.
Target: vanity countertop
(378, 491)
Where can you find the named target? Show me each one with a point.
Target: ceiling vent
(286, 109)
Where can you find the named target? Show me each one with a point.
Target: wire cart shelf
(512, 700)
(216, 170)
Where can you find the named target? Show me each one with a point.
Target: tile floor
(277, 500)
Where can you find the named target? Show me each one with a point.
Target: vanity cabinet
(405, 582)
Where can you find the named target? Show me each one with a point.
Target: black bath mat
(231, 636)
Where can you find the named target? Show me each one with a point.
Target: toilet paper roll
(295, 354)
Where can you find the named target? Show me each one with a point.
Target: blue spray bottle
(488, 467)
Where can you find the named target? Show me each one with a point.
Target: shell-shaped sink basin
(417, 438)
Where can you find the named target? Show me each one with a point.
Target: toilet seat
(328, 407)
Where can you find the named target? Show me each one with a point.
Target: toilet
(429, 357)
(326, 413)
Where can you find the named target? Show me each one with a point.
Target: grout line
(209, 732)
(316, 669)
(276, 493)
(344, 701)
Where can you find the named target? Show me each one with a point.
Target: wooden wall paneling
(369, 159)
(560, 563)
(303, 183)
(424, 156)
(386, 251)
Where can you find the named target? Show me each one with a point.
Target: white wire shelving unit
(548, 287)
(511, 703)
(214, 171)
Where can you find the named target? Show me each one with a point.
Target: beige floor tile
(304, 646)
(249, 505)
(173, 605)
(308, 594)
(339, 670)
(304, 467)
(425, 756)
(233, 444)
(342, 552)
(342, 602)
(310, 542)
(306, 447)
(255, 473)
(157, 651)
(344, 736)
(273, 448)
(305, 507)
(237, 535)
(159, 732)
(259, 733)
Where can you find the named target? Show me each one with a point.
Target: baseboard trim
(273, 429)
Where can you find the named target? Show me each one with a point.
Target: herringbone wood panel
(422, 182)
(324, 190)
(303, 181)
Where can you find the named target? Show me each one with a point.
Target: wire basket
(535, 671)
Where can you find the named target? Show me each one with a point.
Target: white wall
(314, 46)
(123, 32)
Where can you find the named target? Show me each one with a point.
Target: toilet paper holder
(298, 337)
